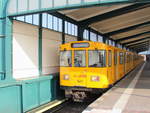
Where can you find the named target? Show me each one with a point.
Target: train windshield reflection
(97, 58)
(65, 58)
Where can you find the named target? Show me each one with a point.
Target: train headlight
(66, 77)
(95, 78)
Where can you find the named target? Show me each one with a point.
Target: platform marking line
(122, 101)
(51, 106)
(96, 111)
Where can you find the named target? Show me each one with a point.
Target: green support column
(63, 31)
(2, 38)
(8, 49)
(97, 37)
(89, 34)
(80, 33)
(2, 56)
(5, 43)
(40, 45)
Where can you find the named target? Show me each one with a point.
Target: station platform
(130, 95)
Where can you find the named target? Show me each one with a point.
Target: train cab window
(97, 58)
(121, 57)
(109, 58)
(79, 58)
(65, 58)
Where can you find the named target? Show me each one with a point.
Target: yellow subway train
(88, 67)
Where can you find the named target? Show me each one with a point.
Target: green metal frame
(5, 43)
(72, 6)
(40, 45)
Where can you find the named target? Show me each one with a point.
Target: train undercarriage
(80, 94)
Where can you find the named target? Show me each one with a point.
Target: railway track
(72, 107)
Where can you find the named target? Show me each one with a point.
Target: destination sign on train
(80, 45)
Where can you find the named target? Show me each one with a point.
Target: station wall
(50, 51)
(25, 50)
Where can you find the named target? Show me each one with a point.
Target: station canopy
(124, 21)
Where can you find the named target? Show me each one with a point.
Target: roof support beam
(112, 14)
(141, 46)
(127, 28)
(134, 36)
(141, 49)
(136, 41)
(145, 44)
(137, 44)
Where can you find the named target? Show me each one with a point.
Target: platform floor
(130, 95)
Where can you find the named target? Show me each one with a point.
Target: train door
(115, 65)
(109, 71)
(124, 63)
(121, 64)
(80, 79)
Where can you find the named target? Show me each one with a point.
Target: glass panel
(69, 28)
(28, 19)
(33, 4)
(44, 20)
(50, 26)
(74, 1)
(100, 38)
(73, 29)
(76, 30)
(60, 25)
(121, 57)
(55, 23)
(93, 36)
(85, 34)
(110, 42)
(36, 19)
(109, 58)
(66, 27)
(97, 58)
(58, 3)
(115, 58)
(91, 0)
(14, 8)
(21, 18)
(22, 5)
(79, 59)
(46, 3)
(65, 58)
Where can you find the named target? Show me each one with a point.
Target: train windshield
(97, 58)
(65, 58)
(79, 59)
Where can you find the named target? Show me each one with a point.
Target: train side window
(121, 57)
(109, 58)
(115, 58)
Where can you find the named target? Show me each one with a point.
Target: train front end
(82, 69)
